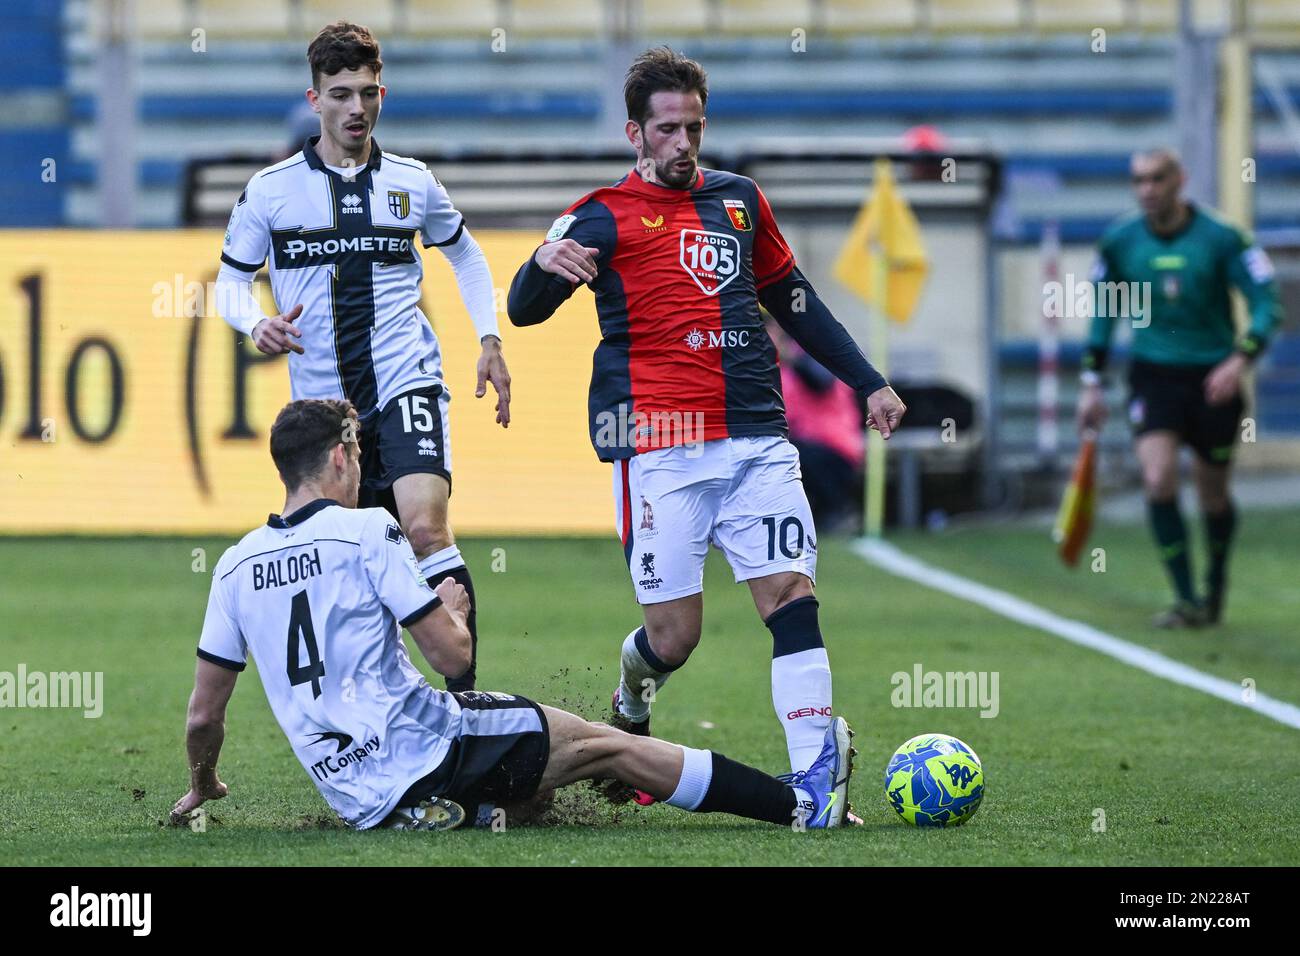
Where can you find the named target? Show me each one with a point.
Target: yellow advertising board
(128, 406)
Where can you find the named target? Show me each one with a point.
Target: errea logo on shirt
(352, 203)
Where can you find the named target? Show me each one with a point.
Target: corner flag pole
(874, 500)
(882, 262)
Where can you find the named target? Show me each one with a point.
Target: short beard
(666, 175)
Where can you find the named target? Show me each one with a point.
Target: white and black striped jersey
(343, 245)
(318, 598)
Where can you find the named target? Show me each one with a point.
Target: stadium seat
(165, 19)
(570, 18)
(1214, 14)
(674, 18)
(378, 15)
(1156, 16)
(974, 16)
(751, 17)
(1050, 15)
(246, 19)
(1262, 15)
(449, 19)
(869, 16)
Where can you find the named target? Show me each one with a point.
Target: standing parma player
(381, 745)
(1186, 371)
(339, 222)
(686, 394)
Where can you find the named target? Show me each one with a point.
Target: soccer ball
(934, 780)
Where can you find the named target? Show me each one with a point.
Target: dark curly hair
(342, 46)
(305, 432)
(657, 70)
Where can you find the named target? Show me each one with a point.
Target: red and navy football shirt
(683, 355)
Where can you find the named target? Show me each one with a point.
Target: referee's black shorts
(1172, 398)
(498, 758)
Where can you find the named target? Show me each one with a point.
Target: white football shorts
(742, 495)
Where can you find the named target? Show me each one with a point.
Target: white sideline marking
(889, 558)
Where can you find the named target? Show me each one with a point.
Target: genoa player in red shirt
(685, 394)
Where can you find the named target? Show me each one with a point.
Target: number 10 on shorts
(788, 536)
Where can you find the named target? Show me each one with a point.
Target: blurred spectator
(302, 123)
(826, 426)
(929, 147)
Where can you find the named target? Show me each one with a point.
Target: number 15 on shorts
(415, 411)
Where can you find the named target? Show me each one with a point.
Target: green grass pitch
(1182, 778)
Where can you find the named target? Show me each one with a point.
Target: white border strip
(889, 558)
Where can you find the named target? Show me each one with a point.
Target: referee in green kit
(1173, 263)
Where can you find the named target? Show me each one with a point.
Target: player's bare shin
(689, 779)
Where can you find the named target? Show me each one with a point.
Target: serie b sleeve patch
(560, 227)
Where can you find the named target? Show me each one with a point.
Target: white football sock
(801, 695)
(697, 774)
(447, 559)
(641, 674)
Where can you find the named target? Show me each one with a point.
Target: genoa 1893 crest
(399, 203)
(738, 214)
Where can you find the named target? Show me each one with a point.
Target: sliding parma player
(381, 745)
(686, 394)
(339, 222)
(1187, 363)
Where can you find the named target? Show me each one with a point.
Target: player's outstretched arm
(474, 280)
(442, 635)
(798, 309)
(205, 731)
(546, 280)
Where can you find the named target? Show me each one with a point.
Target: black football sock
(461, 576)
(746, 792)
(1171, 538)
(1219, 529)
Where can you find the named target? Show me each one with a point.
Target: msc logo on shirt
(725, 338)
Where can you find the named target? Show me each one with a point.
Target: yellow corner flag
(1074, 519)
(885, 225)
